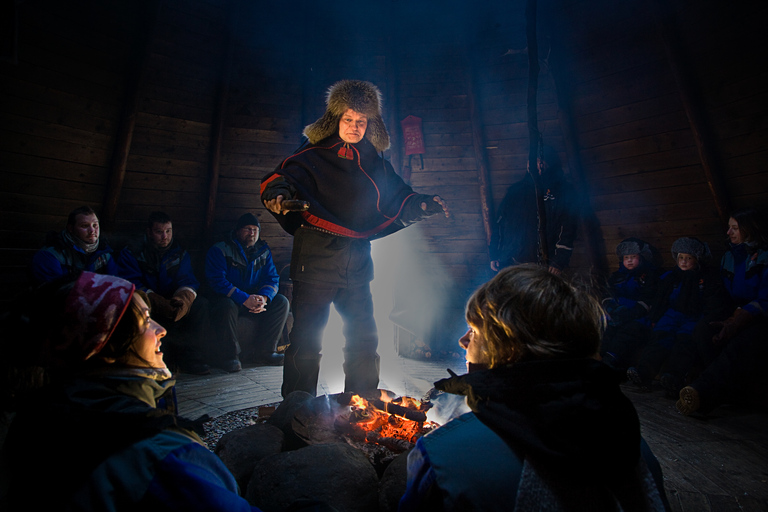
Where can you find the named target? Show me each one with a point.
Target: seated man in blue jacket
(76, 248)
(244, 282)
(162, 269)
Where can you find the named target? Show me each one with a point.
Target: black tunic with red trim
(354, 196)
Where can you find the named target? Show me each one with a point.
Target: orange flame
(384, 424)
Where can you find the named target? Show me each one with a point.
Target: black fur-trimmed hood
(360, 96)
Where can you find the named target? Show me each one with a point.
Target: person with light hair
(549, 427)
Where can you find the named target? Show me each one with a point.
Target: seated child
(632, 289)
(684, 295)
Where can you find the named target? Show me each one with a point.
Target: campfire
(381, 424)
(396, 423)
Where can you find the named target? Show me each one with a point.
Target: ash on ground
(220, 425)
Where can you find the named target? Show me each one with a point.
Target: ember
(393, 422)
(380, 424)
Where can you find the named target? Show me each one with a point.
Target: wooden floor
(717, 464)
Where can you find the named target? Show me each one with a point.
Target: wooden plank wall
(62, 104)
(636, 144)
(59, 103)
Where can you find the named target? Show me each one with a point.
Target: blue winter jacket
(745, 276)
(59, 258)
(99, 443)
(540, 432)
(232, 273)
(160, 273)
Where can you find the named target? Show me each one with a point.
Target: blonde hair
(527, 313)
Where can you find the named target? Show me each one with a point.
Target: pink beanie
(92, 309)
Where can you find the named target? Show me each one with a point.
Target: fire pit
(379, 423)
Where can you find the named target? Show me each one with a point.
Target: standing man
(76, 248)
(354, 196)
(516, 237)
(244, 281)
(163, 269)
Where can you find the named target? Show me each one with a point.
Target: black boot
(361, 373)
(300, 374)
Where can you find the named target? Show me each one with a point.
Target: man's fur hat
(360, 96)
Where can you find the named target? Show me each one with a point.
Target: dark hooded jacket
(515, 239)
(351, 201)
(558, 434)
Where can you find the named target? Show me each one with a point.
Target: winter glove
(160, 306)
(731, 326)
(181, 301)
(432, 206)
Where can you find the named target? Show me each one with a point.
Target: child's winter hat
(634, 245)
(692, 246)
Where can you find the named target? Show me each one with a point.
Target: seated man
(76, 248)
(163, 269)
(244, 282)
(550, 428)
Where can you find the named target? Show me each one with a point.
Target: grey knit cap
(635, 246)
(362, 97)
(692, 246)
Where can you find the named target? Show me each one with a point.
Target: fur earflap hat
(692, 246)
(360, 96)
(635, 246)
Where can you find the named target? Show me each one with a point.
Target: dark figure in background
(631, 291)
(734, 349)
(244, 282)
(515, 238)
(354, 196)
(686, 294)
(549, 427)
(102, 433)
(77, 248)
(162, 269)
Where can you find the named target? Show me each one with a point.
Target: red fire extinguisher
(414, 142)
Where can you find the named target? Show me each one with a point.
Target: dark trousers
(311, 308)
(183, 343)
(622, 343)
(267, 326)
(737, 373)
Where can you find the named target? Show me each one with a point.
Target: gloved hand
(731, 326)
(434, 205)
(160, 307)
(181, 301)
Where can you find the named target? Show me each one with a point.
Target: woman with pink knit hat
(99, 430)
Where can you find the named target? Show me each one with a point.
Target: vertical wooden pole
(217, 126)
(665, 26)
(533, 125)
(558, 70)
(127, 122)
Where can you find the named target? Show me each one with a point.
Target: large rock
(393, 483)
(241, 449)
(282, 418)
(336, 474)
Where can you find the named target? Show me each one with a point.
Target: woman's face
(147, 347)
(474, 343)
(734, 234)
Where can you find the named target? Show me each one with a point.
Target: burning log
(399, 410)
